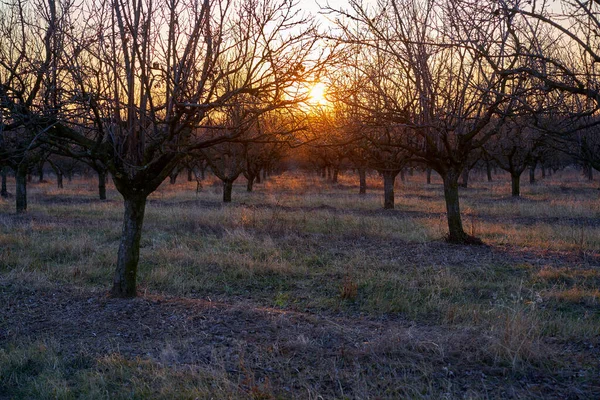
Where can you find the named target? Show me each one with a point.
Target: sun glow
(317, 94)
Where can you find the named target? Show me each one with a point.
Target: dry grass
(518, 309)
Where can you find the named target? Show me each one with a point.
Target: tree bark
(189, 175)
(3, 192)
(532, 174)
(21, 190)
(250, 183)
(41, 173)
(429, 176)
(59, 179)
(362, 174)
(173, 178)
(464, 178)
(227, 189)
(102, 184)
(456, 233)
(488, 170)
(515, 179)
(389, 179)
(124, 283)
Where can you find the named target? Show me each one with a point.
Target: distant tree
(514, 149)
(30, 43)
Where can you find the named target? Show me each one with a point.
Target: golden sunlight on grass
(315, 255)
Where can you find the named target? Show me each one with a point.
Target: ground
(304, 289)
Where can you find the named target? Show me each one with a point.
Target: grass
(522, 309)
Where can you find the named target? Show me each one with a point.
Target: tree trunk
(329, 173)
(4, 192)
(362, 174)
(532, 174)
(264, 178)
(336, 172)
(543, 171)
(102, 184)
(402, 176)
(429, 176)
(21, 191)
(515, 179)
(190, 176)
(464, 178)
(173, 178)
(59, 179)
(41, 173)
(227, 189)
(324, 172)
(456, 233)
(488, 170)
(590, 173)
(257, 177)
(124, 283)
(250, 183)
(389, 179)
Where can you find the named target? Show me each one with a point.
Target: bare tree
(30, 41)
(149, 75)
(437, 80)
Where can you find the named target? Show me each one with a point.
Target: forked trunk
(456, 233)
(515, 179)
(389, 179)
(362, 174)
(21, 190)
(227, 189)
(4, 192)
(124, 283)
(102, 184)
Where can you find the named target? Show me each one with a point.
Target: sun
(317, 94)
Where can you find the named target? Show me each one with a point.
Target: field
(304, 289)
